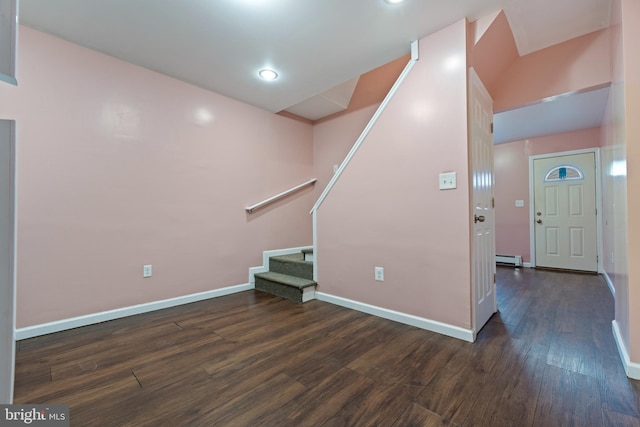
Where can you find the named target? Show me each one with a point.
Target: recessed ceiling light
(394, 1)
(268, 74)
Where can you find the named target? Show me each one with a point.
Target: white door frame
(8, 261)
(532, 236)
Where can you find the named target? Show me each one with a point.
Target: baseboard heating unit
(512, 260)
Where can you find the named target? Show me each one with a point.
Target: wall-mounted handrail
(367, 129)
(279, 196)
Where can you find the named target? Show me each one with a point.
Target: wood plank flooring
(547, 358)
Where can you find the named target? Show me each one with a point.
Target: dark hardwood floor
(547, 358)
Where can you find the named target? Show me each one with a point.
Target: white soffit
(330, 102)
(562, 113)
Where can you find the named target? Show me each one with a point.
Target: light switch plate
(447, 181)
(519, 203)
(147, 270)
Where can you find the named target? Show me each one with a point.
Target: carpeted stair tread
(285, 279)
(298, 257)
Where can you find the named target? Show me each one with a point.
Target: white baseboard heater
(515, 260)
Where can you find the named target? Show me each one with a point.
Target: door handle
(477, 218)
(539, 221)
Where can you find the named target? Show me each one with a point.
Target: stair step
(292, 265)
(286, 279)
(293, 288)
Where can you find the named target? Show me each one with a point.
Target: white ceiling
(315, 45)
(562, 113)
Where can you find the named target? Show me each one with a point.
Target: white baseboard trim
(265, 260)
(527, 265)
(632, 369)
(396, 316)
(90, 319)
(609, 283)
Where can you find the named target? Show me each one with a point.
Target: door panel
(576, 201)
(576, 242)
(565, 212)
(553, 243)
(551, 200)
(482, 183)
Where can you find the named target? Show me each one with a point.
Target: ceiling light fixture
(394, 1)
(268, 74)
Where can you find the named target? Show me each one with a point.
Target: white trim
(532, 213)
(527, 265)
(532, 237)
(612, 288)
(10, 247)
(13, 36)
(8, 79)
(314, 217)
(308, 293)
(265, 260)
(15, 248)
(632, 369)
(90, 319)
(396, 316)
(369, 126)
(599, 223)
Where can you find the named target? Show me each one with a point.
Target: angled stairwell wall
(386, 209)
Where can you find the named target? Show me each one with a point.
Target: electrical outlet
(379, 274)
(519, 203)
(147, 270)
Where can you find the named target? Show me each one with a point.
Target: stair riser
(283, 291)
(296, 269)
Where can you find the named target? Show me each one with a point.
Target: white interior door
(482, 183)
(565, 212)
(7, 282)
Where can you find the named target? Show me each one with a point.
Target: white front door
(565, 212)
(7, 227)
(483, 236)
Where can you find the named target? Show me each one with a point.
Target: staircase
(289, 276)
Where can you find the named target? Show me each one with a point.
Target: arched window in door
(564, 173)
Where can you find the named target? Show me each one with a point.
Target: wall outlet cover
(379, 274)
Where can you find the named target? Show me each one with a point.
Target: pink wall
(120, 166)
(386, 209)
(511, 163)
(494, 52)
(573, 65)
(621, 179)
(332, 141)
